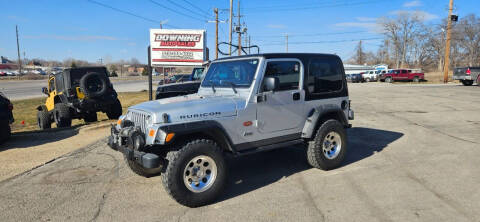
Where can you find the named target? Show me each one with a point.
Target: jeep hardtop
(78, 93)
(244, 105)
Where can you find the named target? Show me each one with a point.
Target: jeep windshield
(239, 73)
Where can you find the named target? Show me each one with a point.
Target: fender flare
(42, 108)
(210, 128)
(317, 116)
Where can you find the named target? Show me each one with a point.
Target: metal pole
(230, 38)
(239, 32)
(216, 32)
(286, 42)
(249, 44)
(18, 52)
(150, 95)
(447, 46)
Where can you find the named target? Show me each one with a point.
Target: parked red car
(402, 75)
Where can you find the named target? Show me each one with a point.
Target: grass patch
(26, 110)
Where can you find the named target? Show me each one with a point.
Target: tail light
(10, 106)
(468, 71)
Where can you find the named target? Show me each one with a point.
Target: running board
(269, 147)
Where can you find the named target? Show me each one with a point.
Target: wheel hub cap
(200, 173)
(332, 144)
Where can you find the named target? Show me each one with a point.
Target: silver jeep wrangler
(245, 104)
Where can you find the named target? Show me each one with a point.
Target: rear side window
(404, 71)
(287, 72)
(59, 82)
(324, 75)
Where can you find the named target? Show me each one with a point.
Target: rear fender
(319, 115)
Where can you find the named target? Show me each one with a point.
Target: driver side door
(280, 112)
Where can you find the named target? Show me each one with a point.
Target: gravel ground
(413, 156)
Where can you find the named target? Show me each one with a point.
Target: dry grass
(25, 110)
(437, 77)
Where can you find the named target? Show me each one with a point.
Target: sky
(119, 29)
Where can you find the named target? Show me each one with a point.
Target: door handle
(296, 96)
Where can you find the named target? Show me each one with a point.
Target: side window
(404, 71)
(409, 71)
(51, 85)
(287, 72)
(198, 74)
(59, 82)
(324, 75)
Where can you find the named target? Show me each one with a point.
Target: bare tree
(469, 41)
(359, 57)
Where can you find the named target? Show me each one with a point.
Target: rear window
(324, 75)
(77, 74)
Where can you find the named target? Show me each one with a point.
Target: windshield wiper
(233, 86)
(213, 86)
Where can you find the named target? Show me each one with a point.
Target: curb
(78, 128)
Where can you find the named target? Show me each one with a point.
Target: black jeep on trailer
(78, 93)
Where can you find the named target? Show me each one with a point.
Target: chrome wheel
(332, 144)
(200, 173)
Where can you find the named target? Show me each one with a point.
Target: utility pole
(286, 42)
(239, 32)
(447, 46)
(249, 44)
(230, 38)
(215, 10)
(18, 53)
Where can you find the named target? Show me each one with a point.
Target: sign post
(150, 96)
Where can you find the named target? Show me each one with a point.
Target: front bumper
(125, 141)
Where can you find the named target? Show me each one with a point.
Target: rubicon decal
(199, 115)
(188, 40)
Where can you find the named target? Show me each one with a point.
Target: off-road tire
(315, 155)
(389, 80)
(115, 110)
(43, 120)
(61, 115)
(367, 80)
(467, 82)
(5, 131)
(416, 79)
(90, 117)
(173, 181)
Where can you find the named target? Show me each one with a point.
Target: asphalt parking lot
(413, 156)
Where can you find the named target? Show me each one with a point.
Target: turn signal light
(169, 137)
(119, 122)
(151, 133)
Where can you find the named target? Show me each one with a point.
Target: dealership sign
(177, 47)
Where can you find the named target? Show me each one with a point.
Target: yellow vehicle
(78, 93)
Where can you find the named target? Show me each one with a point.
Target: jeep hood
(190, 108)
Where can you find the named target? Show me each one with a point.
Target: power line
(334, 5)
(320, 42)
(176, 11)
(129, 13)
(196, 7)
(181, 6)
(312, 34)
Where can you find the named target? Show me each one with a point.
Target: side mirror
(45, 90)
(271, 84)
